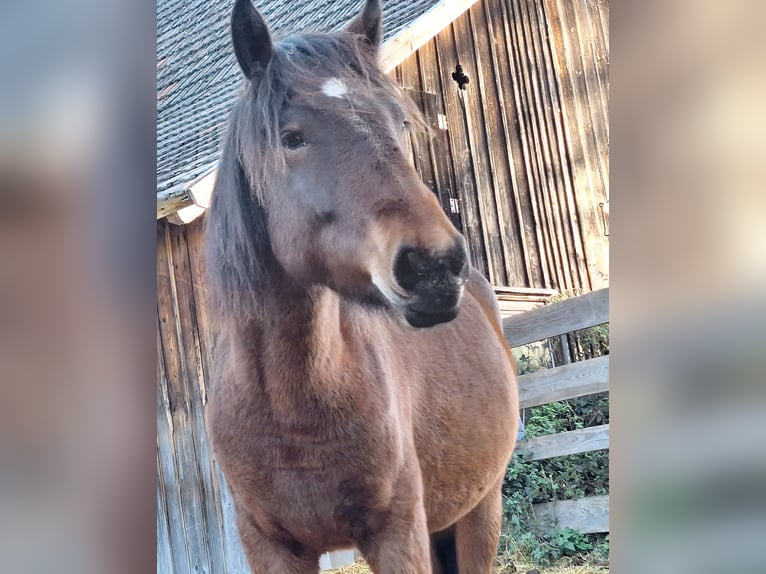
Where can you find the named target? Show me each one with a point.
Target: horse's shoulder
(481, 290)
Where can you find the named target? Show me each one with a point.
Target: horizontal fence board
(514, 300)
(557, 318)
(564, 443)
(565, 382)
(587, 515)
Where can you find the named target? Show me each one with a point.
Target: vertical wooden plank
(164, 551)
(235, 554)
(180, 409)
(493, 109)
(193, 374)
(236, 562)
(194, 244)
(501, 131)
(537, 93)
(587, 143)
(527, 104)
(168, 467)
(410, 150)
(593, 73)
(526, 168)
(462, 161)
(439, 145)
(519, 189)
(471, 104)
(410, 80)
(529, 54)
(570, 236)
(596, 60)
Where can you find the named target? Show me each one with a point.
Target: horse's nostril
(458, 263)
(409, 268)
(416, 269)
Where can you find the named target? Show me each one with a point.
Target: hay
(360, 567)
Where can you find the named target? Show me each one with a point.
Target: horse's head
(319, 140)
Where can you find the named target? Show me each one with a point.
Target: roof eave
(392, 53)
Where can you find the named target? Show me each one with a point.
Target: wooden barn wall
(196, 529)
(519, 159)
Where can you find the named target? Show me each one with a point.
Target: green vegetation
(524, 539)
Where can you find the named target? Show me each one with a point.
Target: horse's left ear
(368, 23)
(251, 39)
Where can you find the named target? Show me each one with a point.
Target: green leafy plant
(565, 477)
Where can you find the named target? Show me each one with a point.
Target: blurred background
(77, 286)
(688, 462)
(78, 309)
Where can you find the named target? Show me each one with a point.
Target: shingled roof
(198, 76)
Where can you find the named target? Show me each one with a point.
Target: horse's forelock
(298, 65)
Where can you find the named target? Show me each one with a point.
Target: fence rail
(557, 318)
(588, 514)
(564, 382)
(562, 444)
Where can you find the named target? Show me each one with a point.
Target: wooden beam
(564, 443)
(558, 318)
(513, 300)
(171, 200)
(408, 40)
(186, 214)
(201, 189)
(587, 515)
(565, 382)
(197, 193)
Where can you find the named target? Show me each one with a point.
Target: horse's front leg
(477, 534)
(267, 556)
(402, 546)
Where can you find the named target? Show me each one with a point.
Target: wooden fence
(588, 514)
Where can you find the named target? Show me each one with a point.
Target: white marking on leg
(334, 88)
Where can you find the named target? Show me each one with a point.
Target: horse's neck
(301, 330)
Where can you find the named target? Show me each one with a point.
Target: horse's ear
(368, 23)
(251, 39)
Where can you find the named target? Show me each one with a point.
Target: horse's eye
(405, 125)
(293, 140)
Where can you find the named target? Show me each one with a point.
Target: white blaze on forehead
(334, 88)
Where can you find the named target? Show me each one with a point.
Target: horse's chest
(318, 490)
(274, 455)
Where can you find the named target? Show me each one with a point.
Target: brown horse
(362, 393)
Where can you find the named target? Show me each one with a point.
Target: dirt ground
(361, 568)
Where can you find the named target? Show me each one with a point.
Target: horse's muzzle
(433, 283)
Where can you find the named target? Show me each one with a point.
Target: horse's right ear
(251, 39)
(368, 23)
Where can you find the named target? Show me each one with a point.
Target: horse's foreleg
(400, 543)
(402, 547)
(477, 534)
(269, 557)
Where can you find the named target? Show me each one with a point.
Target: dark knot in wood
(460, 77)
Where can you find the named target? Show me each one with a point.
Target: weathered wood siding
(195, 518)
(519, 159)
